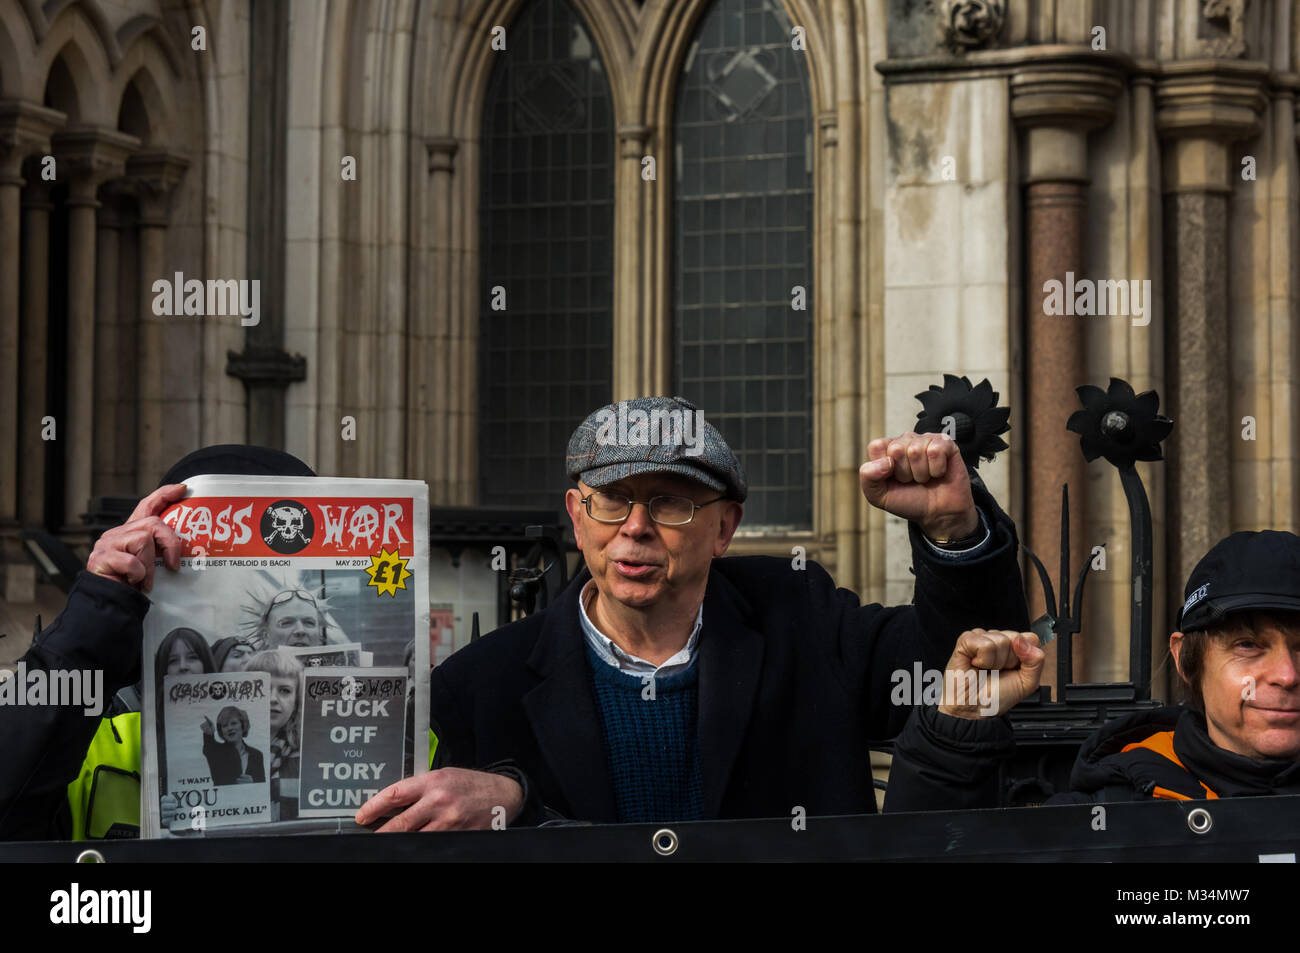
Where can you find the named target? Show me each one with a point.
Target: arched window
(742, 242)
(545, 322)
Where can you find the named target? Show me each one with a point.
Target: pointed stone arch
(61, 90)
(466, 60)
(154, 99)
(150, 63)
(666, 30)
(145, 28)
(73, 39)
(93, 14)
(668, 27)
(17, 55)
(133, 115)
(451, 68)
(68, 51)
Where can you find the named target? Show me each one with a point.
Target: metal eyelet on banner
(90, 856)
(664, 842)
(1199, 820)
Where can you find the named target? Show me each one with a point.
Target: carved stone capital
(266, 366)
(1080, 92)
(1057, 102)
(25, 129)
(152, 178)
(1217, 99)
(1202, 107)
(88, 156)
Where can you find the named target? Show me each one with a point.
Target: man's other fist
(990, 672)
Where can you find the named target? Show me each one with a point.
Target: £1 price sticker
(387, 573)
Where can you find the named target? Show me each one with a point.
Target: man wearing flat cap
(667, 683)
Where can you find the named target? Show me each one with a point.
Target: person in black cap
(65, 774)
(668, 684)
(1237, 653)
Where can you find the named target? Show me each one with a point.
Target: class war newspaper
(287, 663)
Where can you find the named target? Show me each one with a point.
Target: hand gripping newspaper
(287, 663)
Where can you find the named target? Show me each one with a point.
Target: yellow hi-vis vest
(105, 797)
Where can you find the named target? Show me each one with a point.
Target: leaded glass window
(547, 208)
(742, 242)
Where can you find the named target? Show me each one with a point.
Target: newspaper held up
(287, 661)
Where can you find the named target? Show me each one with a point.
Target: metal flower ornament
(1119, 425)
(967, 413)
(1125, 427)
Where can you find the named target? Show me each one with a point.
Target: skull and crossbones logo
(287, 526)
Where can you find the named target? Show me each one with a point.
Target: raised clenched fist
(990, 672)
(922, 478)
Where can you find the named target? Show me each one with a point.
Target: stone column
(824, 476)
(24, 130)
(456, 426)
(78, 430)
(1056, 104)
(151, 178)
(1202, 107)
(35, 358)
(449, 420)
(640, 356)
(264, 365)
(108, 368)
(848, 314)
(11, 184)
(86, 159)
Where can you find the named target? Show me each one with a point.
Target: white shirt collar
(610, 653)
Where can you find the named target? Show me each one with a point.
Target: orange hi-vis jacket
(1184, 787)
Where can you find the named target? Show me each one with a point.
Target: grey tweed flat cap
(653, 435)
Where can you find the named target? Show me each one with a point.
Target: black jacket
(943, 763)
(223, 762)
(794, 682)
(44, 746)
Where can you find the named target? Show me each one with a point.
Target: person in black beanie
(1237, 652)
(63, 773)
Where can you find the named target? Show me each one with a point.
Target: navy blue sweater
(650, 741)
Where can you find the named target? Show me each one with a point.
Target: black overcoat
(795, 682)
